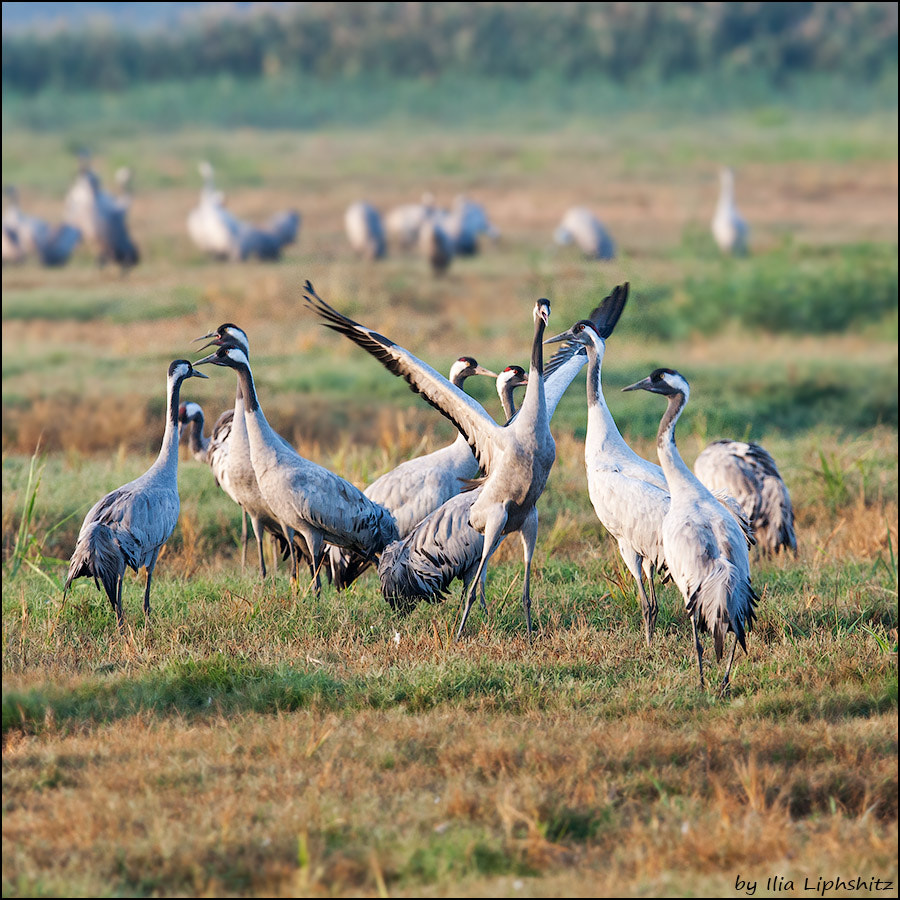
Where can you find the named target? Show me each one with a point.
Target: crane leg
(493, 535)
(258, 533)
(292, 547)
(529, 534)
(697, 646)
(725, 680)
(150, 567)
(654, 605)
(117, 605)
(315, 557)
(244, 539)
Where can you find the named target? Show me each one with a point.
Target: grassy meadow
(250, 742)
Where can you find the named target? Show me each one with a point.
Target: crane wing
(469, 416)
(605, 316)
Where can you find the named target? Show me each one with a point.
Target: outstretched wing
(480, 430)
(604, 316)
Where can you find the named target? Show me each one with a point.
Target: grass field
(248, 742)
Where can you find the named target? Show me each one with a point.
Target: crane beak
(559, 338)
(216, 342)
(212, 360)
(195, 374)
(481, 370)
(643, 385)
(204, 337)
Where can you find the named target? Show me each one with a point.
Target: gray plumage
(402, 224)
(101, 218)
(418, 486)
(129, 526)
(216, 231)
(443, 546)
(233, 468)
(24, 234)
(748, 473)
(581, 227)
(464, 223)
(729, 229)
(629, 494)
(516, 459)
(306, 499)
(705, 548)
(435, 246)
(364, 230)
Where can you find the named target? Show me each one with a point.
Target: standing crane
(748, 473)
(129, 526)
(628, 493)
(364, 230)
(234, 469)
(516, 459)
(101, 218)
(418, 486)
(216, 452)
(306, 498)
(581, 226)
(729, 229)
(445, 546)
(24, 234)
(705, 548)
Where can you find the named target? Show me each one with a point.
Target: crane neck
(167, 459)
(602, 429)
(258, 428)
(535, 400)
(673, 466)
(198, 443)
(508, 400)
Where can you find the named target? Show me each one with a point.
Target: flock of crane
(442, 516)
(438, 235)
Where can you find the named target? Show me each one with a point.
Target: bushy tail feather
(97, 555)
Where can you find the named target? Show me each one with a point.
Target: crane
(418, 486)
(445, 546)
(581, 226)
(364, 230)
(516, 459)
(748, 473)
(729, 229)
(129, 526)
(306, 498)
(101, 218)
(234, 470)
(24, 234)
(215, 230)
(705, 548)
(629, 494)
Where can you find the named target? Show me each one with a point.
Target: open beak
(559, 338)
(643, 385)
(215, 342)
(207, 360)
(481, 370)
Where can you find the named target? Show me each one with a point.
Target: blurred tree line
(624, 41)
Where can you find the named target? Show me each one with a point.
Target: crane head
(512, 376)
(582, 332)
(466, 366)
(231, 356)
(187, 412)
(226, 334)
(179, 369)
(667, 382)
(542, 310)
